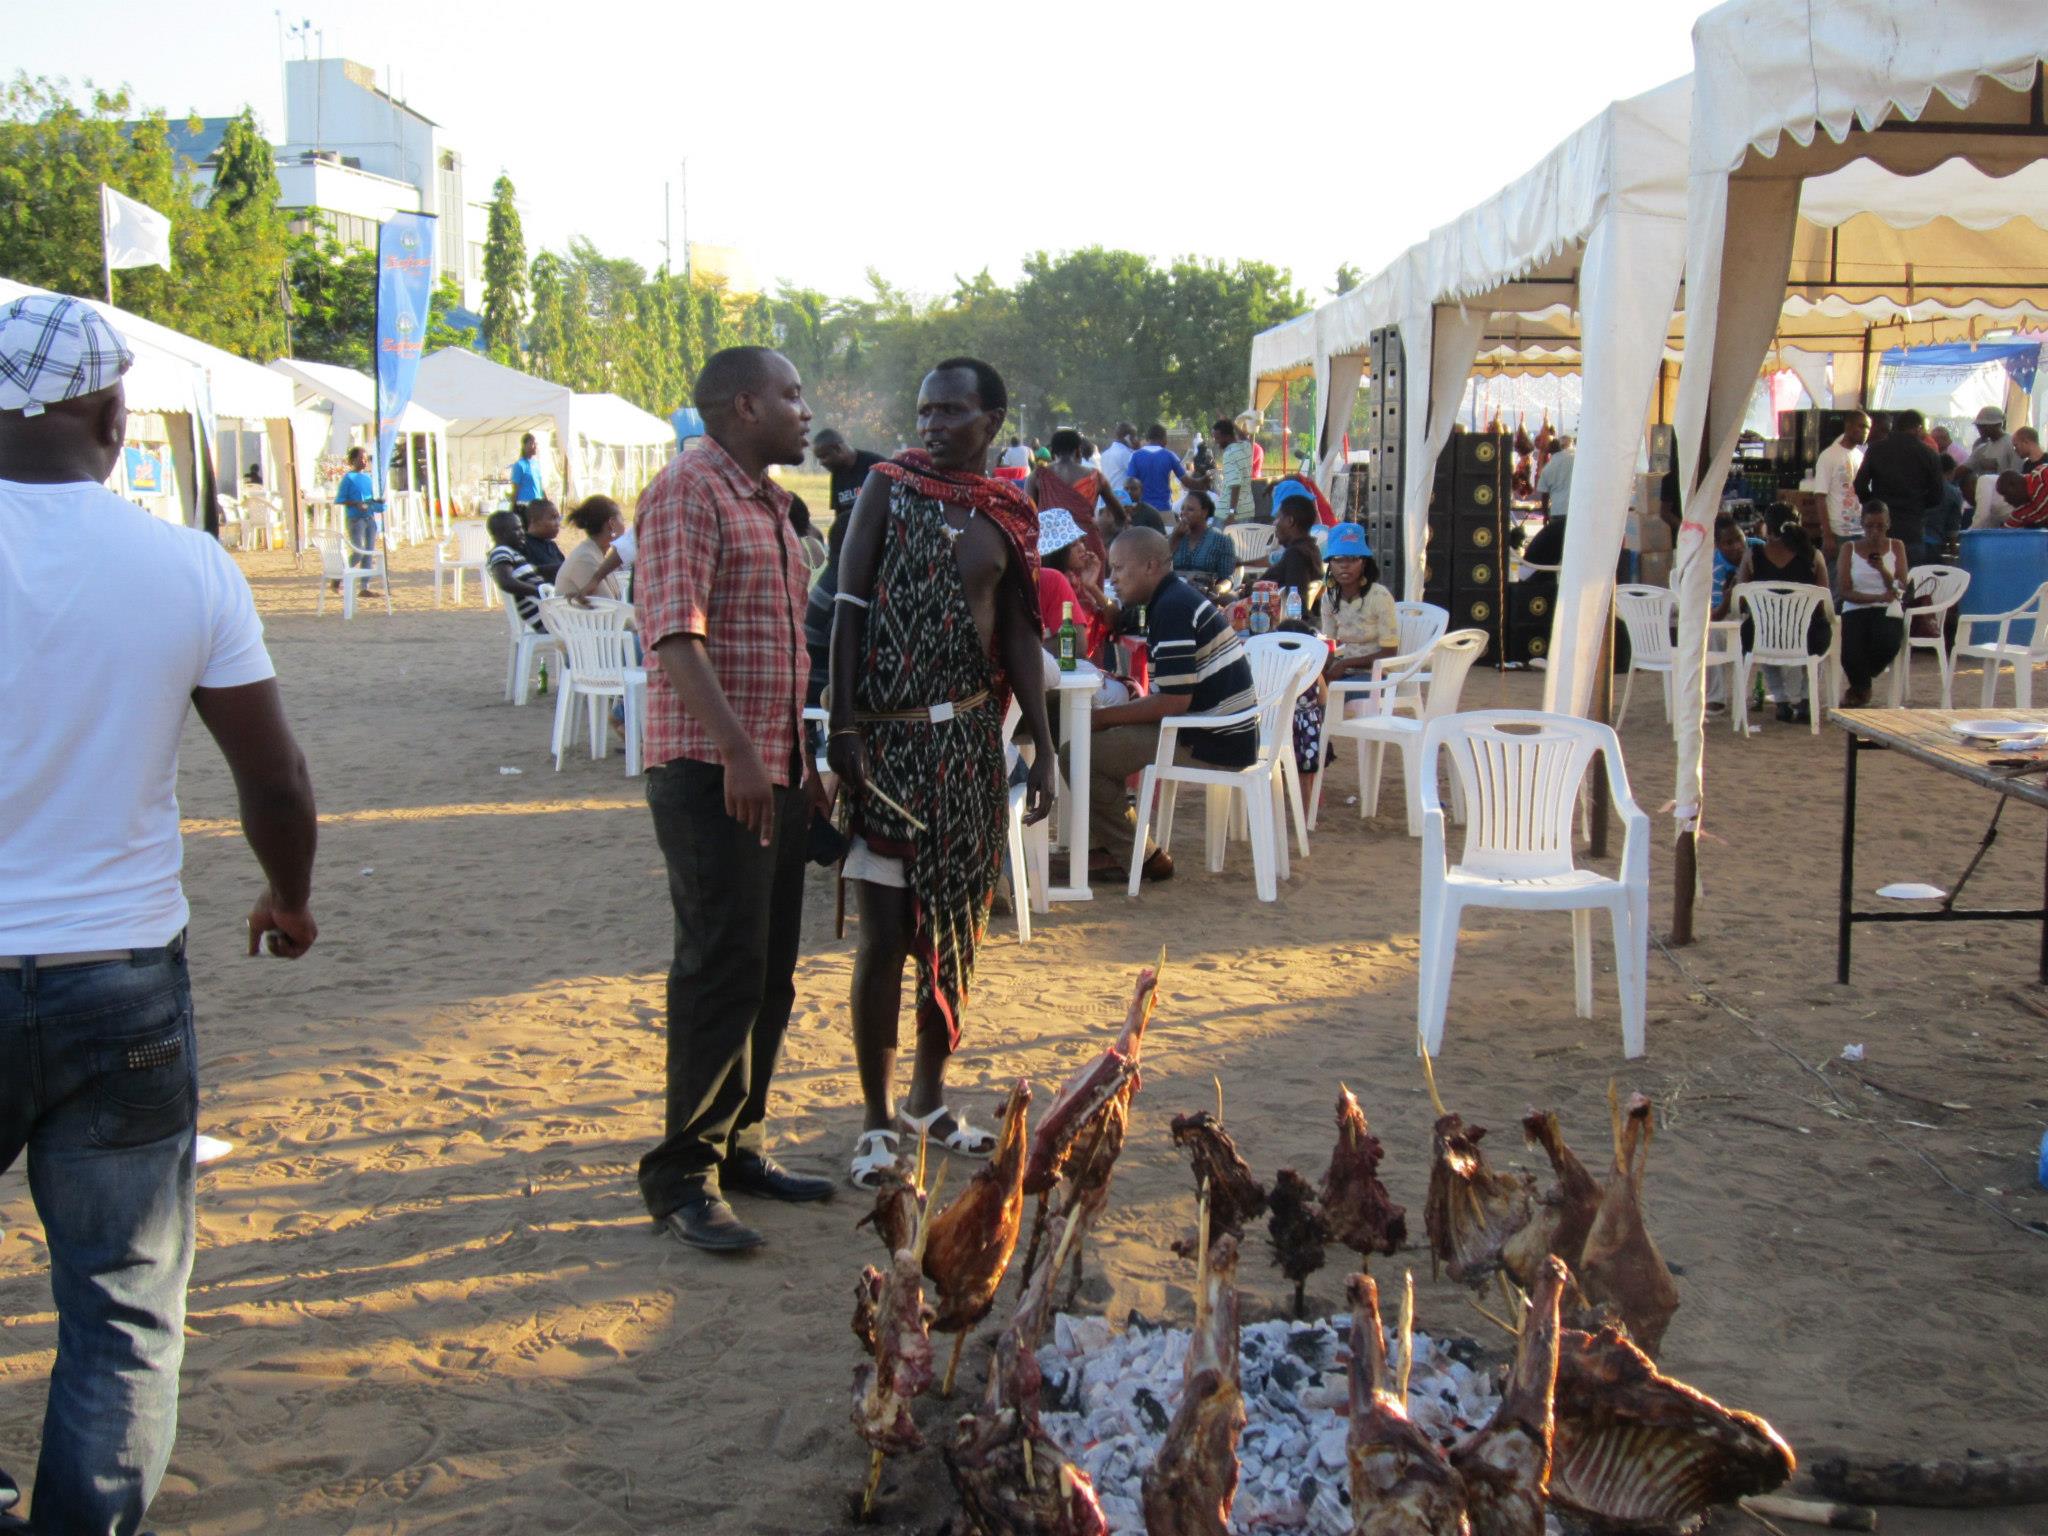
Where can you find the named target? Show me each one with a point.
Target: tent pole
(1286, 422)
(1863, 376)
(1686, 876)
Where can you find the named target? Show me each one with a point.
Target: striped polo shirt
(1195, 651)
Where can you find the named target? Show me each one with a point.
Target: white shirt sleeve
(237, 656)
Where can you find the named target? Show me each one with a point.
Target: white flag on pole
(136, 234)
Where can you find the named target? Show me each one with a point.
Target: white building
(353, 155)
(357, 154)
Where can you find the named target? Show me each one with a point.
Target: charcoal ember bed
(1110, 1395)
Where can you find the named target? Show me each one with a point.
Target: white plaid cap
(55, 348)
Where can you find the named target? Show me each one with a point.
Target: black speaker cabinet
(1483, 454)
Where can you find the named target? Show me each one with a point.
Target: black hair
(1782, 521)
(1223, 427)
(1145, 515)
(359, 455)
(1155, 433)
(504, 528)
(1060, 558)
(1907, 421)
(733, 372)
(1297, 509)
(828, 437)
(989, 388)
(593, 512)
(1087, 447)
(799, 517)
(1872, 504)
(533, 509)
(1208, 502)
(1065, 443)
(1723, 520)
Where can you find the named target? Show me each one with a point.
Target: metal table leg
(1843, 924)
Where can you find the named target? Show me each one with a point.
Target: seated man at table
(1198, 667)
(512, 571)
(1297, 561)
(543, 522)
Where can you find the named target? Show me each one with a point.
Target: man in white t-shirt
(1835, 475)
(1554, 485)
(1116, 458)
(112, 625)
(1016, 456)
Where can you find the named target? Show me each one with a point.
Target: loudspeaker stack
(1381, 512)
(1465, 565)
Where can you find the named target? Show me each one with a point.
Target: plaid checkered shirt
(718, 559)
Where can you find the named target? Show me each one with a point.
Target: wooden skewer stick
(1429, 1076)
(924, 1219)
(924, 1136)
(1219, 1100)
(867, 1494)
(953, 1363)
(1030, 1478)
(1504, 1327)
(1152, 997)
(1517, 1303)
(1821, 1512)
(1201, 1256)
(876, 790)
(1407, 1330)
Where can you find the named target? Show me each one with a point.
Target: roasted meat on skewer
(898, 1205)
(1012, 1477)
(1297, 1231)
(1506, 1464)
(1356, 1207)
(969, 1243)
(1470, 1210)
(1636, 1451)
(867, 1305)
(1621, 1267)
(1091, 1108)
(1235, 1197)
(1192, 1482)
(1401, 1482)
(1564, 1212)
(902, 1366)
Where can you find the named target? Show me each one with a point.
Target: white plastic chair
(525, 648)
(1276, 670)
(1943, 586)
(335, 550)
(1647, 613)
(1254, 542)
(2002, 650)
(1448, 662)
(1782, 611)
(1030, 847)
(262, 520)
(597, 644)
(466, 551)
(1521, 772)
(1422, 625)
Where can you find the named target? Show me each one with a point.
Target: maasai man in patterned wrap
(936, 626)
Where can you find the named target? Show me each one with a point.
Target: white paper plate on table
(1995, 730)
(1910, 890)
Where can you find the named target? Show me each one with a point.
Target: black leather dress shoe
(708, 1223)
(747, 1173)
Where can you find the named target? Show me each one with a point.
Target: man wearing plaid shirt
(720, 586)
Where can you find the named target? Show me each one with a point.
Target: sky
(931, 141)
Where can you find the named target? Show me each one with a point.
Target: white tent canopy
(179, 376)
(346, 400)
(1906, 109)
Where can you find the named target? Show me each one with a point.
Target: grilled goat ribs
(970, 1242)
(1004, 1489)
(1401, 1482)
(1621, 1267)
(1296, 1229)
(1082, 1097)
(1192, 1482)
(1564, 1213)
(1470, 1211)
(867, 1305)
(1636, 1451)
(1356, 1207)
(1506, 1464)
(902, 1367)
(1235, 1197)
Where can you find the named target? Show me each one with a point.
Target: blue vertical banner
(405, 288)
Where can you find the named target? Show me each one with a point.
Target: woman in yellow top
(1358, 613)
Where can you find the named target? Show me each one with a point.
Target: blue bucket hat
(1347, 542)
(1291, 490)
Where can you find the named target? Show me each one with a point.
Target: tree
(334, 302)
(245, 175)
(1348, 278)
(504, 275)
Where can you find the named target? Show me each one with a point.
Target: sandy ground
(427, 1297)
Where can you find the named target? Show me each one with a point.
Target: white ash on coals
(1109, 1397)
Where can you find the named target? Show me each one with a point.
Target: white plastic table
(1077, 705)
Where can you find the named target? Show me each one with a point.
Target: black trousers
(1870, 639)
(731, 983)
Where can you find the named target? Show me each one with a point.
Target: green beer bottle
(1069, 638)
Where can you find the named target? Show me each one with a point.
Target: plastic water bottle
(1292, 607)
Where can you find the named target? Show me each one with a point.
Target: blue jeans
(362, 533)
(99, 1081)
